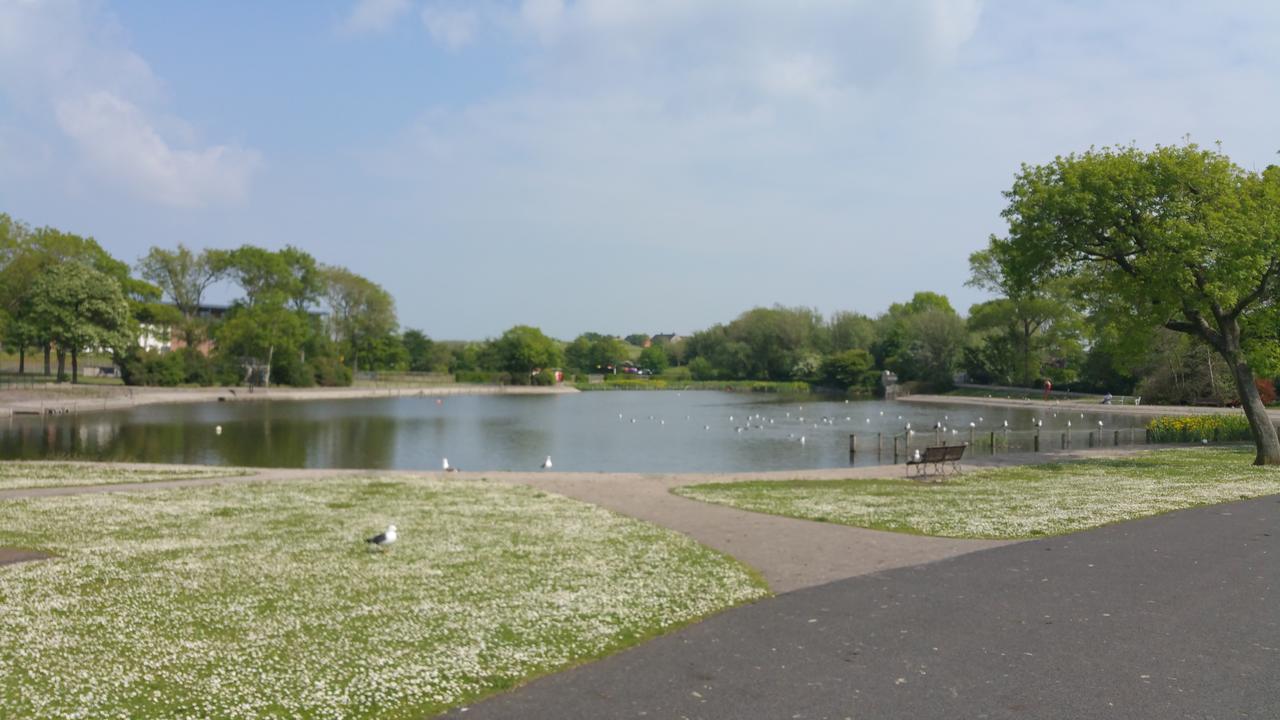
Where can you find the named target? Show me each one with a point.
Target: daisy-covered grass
(262, 600)
(1013, 502)
(15, 475)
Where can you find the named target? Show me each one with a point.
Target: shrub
(152, 368)
(329, 372)
(1267, 389)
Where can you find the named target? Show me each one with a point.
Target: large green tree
(523, 349)
(361, 313)
(26, 254)
(1035, 323)
(184, 276)
(80, 308)
(1177, 237)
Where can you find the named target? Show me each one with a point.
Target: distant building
(161, 338)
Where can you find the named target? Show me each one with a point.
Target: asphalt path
(1175, 616)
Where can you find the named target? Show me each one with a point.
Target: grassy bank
(1014, 502)
(250, 601)
(15, 475)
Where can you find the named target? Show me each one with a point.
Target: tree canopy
(1177, 237)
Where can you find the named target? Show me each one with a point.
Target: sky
(603, 165)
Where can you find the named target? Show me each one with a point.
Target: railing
(902, 444)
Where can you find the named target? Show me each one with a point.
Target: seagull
(444, 465)
(217, 430)
(382, 540)
(546, 464)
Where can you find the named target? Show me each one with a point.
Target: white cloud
(118, 141)
(374, 15)
(65, 66)
(450, 27)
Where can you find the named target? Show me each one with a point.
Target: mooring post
(895, 448)
(853, 444)
(1117, 441)
(879, 444)
(993, 442)
(1035, 442)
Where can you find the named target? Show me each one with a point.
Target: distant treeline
(300, 322)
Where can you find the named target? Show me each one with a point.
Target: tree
(360, 311)
(849, 368)
(1035, 319)
(934, 339)
(80, 308)
(921, 339)
(523, 349)
(420, 349)
(254, 332)
(26, 255)
(654, 359)
(184, 277)
(848, 330)
(1178, 237)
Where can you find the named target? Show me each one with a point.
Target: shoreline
(1082, 406)
(63, 399)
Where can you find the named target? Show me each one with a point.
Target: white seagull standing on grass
(382, 540)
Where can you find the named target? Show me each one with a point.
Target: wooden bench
(938, 457)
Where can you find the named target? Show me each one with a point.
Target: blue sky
(602, 164)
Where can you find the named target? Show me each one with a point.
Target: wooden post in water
(1035, 442)
(993, 442)
(853, 444)
(895, 448)
(879, 444)
(1117, 442)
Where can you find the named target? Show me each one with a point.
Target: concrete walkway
(1173, 616)
(12, 556)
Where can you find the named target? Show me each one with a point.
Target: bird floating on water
(384, 539)
(217, 429)
(546, 464)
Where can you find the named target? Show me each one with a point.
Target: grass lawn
(1013, 502)
(44, 474)
(261, 600)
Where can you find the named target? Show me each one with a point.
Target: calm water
(595, 431)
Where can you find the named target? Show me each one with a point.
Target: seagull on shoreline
(444, 464)
(384, 539)
(546, 464)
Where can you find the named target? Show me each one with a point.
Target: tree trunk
(47, 350)
(75, 366)
(62, 364)
(1264, 431)
(266, 376)
(22, 360)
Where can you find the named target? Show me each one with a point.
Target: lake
(613, 431)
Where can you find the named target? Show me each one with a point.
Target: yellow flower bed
(1194, 428)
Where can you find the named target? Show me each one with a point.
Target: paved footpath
(1176, 616)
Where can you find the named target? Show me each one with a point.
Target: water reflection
(605, 431)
